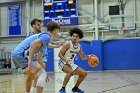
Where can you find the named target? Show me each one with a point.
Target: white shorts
(61, 65)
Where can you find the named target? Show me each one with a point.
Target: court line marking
(119, 87)
(132, 83)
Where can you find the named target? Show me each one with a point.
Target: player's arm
(82, 55)
(64, 48)
(39, 59)
(54, 46)
(32, 49)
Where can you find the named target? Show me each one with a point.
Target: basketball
(93, 61)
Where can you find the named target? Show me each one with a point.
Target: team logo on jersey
(73, 51)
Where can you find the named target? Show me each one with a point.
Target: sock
(75, 87)
(63, 87)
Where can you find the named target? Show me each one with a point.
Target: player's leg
(42, 78)
(35, 81)
(82, 75)
(22, 62)
(41, 81)
(40, 88)
(28, 83)
(42, 62)
(32, 76)
(69, 72)
(32, 90)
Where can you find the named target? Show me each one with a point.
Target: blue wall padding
(113, 55)
(50, 63)
(86, 47)
(97, 50)
(121, 54)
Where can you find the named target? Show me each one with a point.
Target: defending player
(42, 57)
(31, 46)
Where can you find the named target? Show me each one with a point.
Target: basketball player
(66, 63)
(36, 25)
(31, 46)
(42, 58)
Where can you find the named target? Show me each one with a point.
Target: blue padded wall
(97, 50)
(86, 47)
(113, 55)
(121, 54)
(50, 63)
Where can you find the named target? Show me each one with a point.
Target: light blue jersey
(25, 44)
(20, 53)
(45, 55)
(45, 51)
(32, 33)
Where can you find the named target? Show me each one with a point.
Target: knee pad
(41, 80)
(37, 67)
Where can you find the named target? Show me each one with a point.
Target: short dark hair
(77, 31)
(35, 20)
(52, 25)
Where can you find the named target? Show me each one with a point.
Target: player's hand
(90, 56)
(60, 44)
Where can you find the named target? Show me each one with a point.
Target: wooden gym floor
(95, 82)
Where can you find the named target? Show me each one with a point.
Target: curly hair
(52, 25)
(77, 31)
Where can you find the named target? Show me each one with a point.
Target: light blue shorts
(20, 61)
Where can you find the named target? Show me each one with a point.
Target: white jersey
(72, 51)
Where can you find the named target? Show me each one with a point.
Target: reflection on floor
(95, 82)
